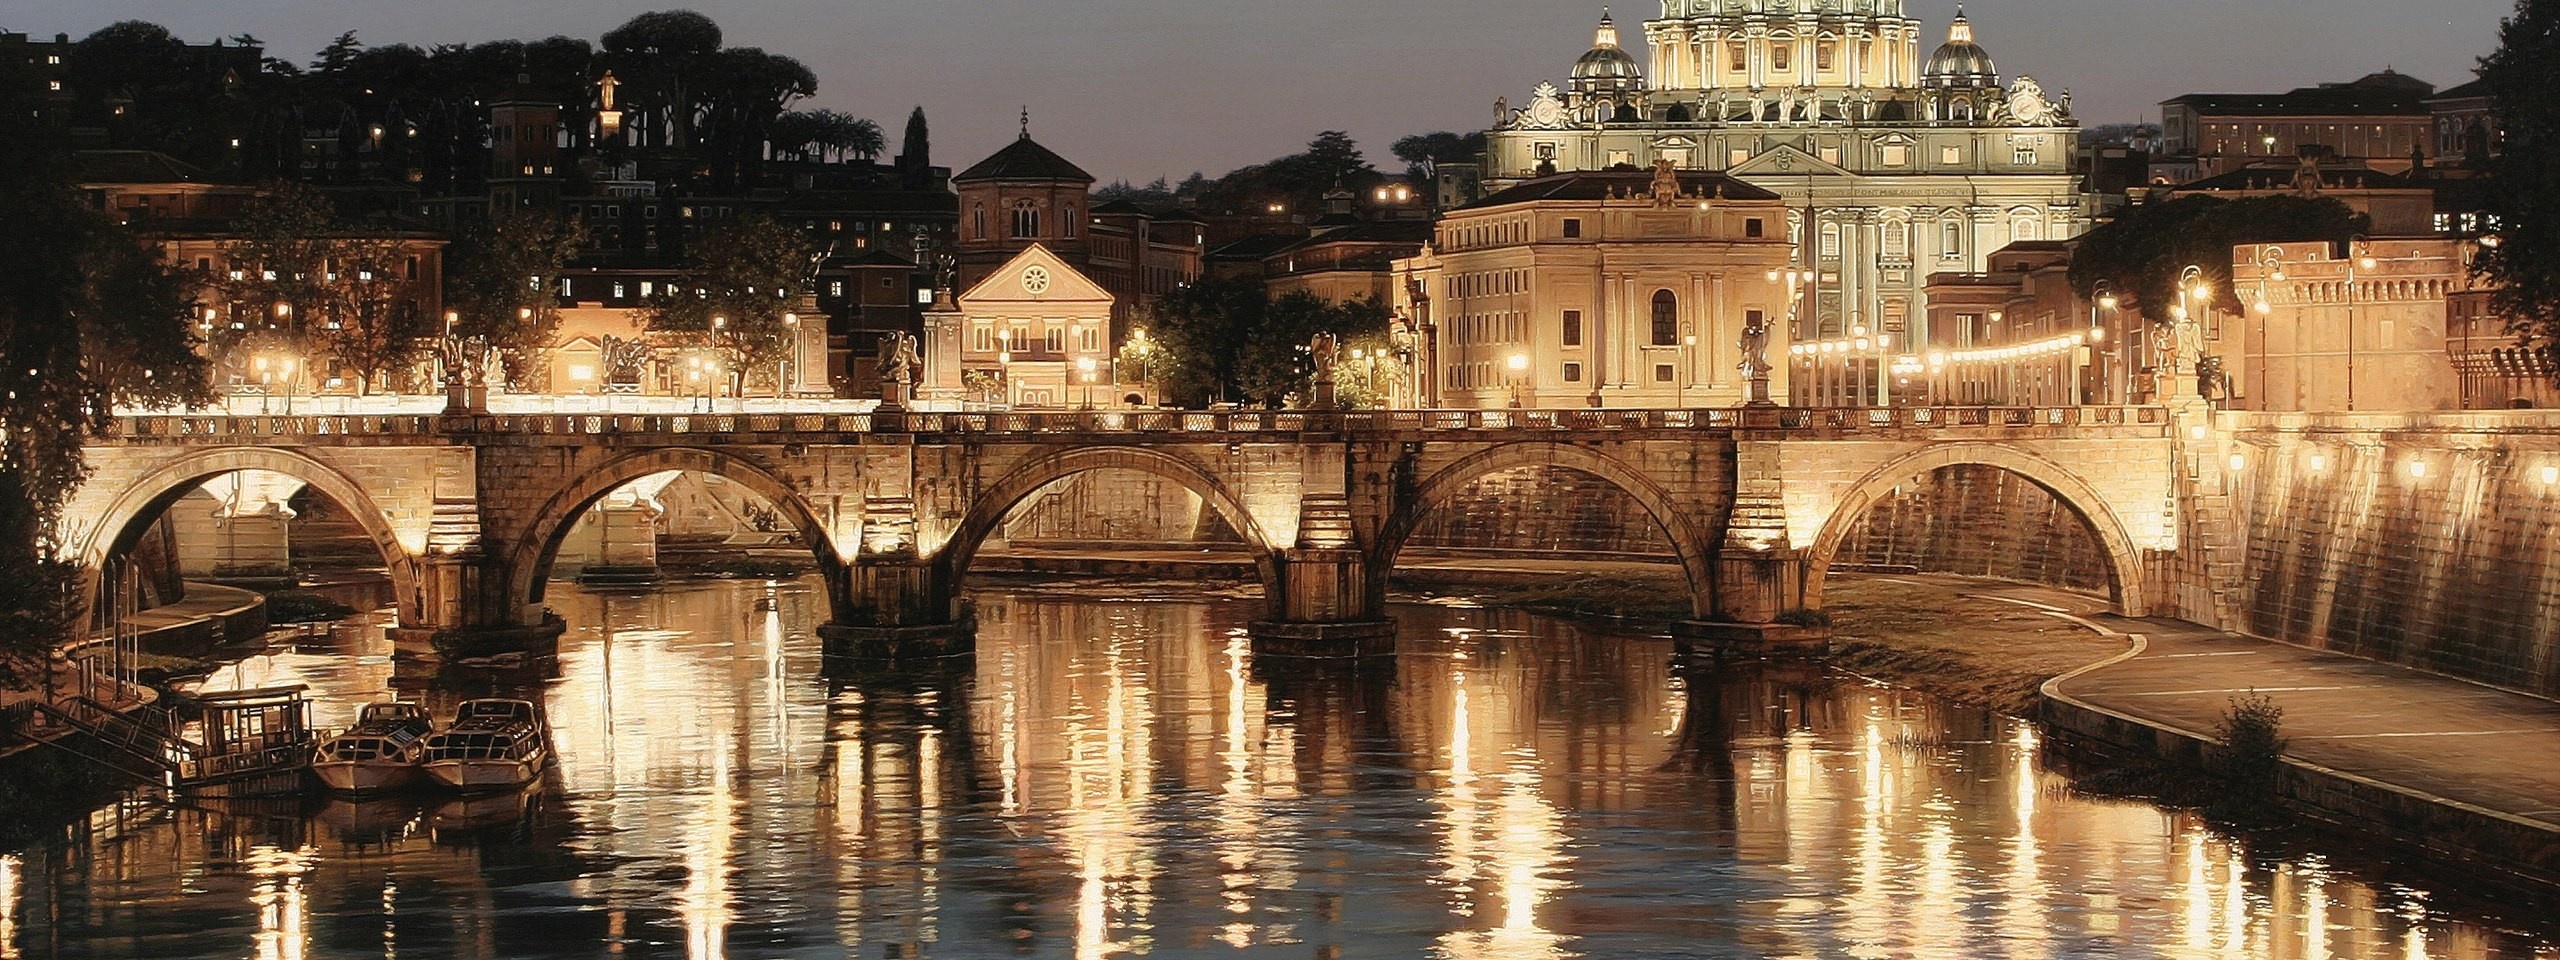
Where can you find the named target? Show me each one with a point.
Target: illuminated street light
(1519, 366)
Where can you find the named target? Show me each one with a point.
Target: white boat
(384, 751)
(492, 745)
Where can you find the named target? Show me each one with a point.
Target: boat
(492, 745)
(253, 743)
(384, 751)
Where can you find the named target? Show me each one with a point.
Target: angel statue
(898, 360)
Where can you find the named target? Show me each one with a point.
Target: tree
(304, 289)
(89, 319)
(1224, 340)
(1276, 362)
(915, 150)
(500, 280)
(2140, 255)
(661, 55)
(1424, 153)
(2522, 189)
(731, 299)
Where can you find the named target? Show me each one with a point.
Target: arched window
(978, 222)
(1666, 319)
(1067, 222)
(1026, 220)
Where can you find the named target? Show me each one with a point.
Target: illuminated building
(1893, 165)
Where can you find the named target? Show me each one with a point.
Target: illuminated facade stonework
(1905, 165)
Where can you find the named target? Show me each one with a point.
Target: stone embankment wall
(2428, 539)
(1544, 510)
(1981, 521)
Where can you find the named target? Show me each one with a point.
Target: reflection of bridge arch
(988, 509)
(534, 549)
(2124, 561)
(120, 526)
(1689, 540)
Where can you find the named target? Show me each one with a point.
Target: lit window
(1950, 155)
(1666, 318)
(2024, 155)
(581, 372)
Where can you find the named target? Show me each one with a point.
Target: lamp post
(2359, 257)
(1688, 367)
(2270, 267)
(1519, 369)
(1084, 372)
(791, 365)
(2118, 377)
(1004, 364)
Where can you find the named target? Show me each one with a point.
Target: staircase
(2214, 538)
(143, 735)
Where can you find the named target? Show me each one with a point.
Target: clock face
(1035, 280)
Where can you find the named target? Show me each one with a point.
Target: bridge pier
(1328, 605)
(897, 607)
(462, 613)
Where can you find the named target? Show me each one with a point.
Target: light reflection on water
(1113, 779)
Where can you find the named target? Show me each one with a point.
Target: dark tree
(2523, 185)
(1225, 340)
(731, 301)
(499, 284)
(89, 318)
(2141, 254)
(915, 150)
(663, 56)
(1424, 153)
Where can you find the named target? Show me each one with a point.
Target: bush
(304, 606)
(1801, 617)
(2252, 733)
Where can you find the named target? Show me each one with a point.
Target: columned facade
(1894, 165)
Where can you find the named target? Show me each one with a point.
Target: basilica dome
(1960, 62)
(1607, 61)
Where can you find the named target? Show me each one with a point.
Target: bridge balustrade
(1016, 423)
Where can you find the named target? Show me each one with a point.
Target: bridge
(470, 511)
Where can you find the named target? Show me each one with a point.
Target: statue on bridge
(1755, 357)
(899, 366)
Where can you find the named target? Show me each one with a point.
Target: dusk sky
(1137, 89)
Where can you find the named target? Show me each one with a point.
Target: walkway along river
(1123, 777)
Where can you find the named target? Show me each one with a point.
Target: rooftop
(1603, 184)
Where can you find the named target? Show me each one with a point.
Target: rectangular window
(1831, 155)
(1951, 240)
(1950, 155)
(1823, 53)
(983, 339)
(617, 290)
(1662, 373)
(1572, 228)
(1056, 340)
(1617, 157)
(1738, 157)
(1573, 373)
(1778, 53)
(1573, 328)
(1741, 60)
(1755, 227)
(2024, 156)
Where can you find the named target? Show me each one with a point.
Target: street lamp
(2106, 300)
(2359, 257)
(1519, 367)
(791, 366)
(1084, 373)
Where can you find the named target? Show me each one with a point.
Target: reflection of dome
(1960, 61)
(1607, 61)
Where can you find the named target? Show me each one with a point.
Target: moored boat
(384, 751)
(492, 745)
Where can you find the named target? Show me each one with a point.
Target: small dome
(1607, 61)
(1960, 61)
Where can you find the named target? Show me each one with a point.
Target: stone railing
(1822, 420)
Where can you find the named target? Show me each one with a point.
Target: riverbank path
(2449, 739)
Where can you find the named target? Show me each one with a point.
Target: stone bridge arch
(987, 509)
(112, 525)
(533, 548)
(2124, 558)
(1692, 536)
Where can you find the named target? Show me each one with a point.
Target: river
(1122, 777)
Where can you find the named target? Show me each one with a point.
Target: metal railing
(1015, 423)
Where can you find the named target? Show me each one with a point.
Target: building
(1346, 263)
(1894, 165)
(1026, 195)
(2396, 204)
(2019, 334)
(1034, 332)
(2363, 327)
(2379, 120)
(2466, 133)
(1606, 289)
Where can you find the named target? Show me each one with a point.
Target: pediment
(1785, 160)
(1036, 266)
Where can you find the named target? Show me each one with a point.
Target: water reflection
(1116, 779)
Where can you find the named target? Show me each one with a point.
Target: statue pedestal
(893, 397)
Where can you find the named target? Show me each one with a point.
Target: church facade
(1893, 165)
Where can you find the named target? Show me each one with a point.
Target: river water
(1119, 778)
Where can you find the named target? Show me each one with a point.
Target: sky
(1137, 89)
